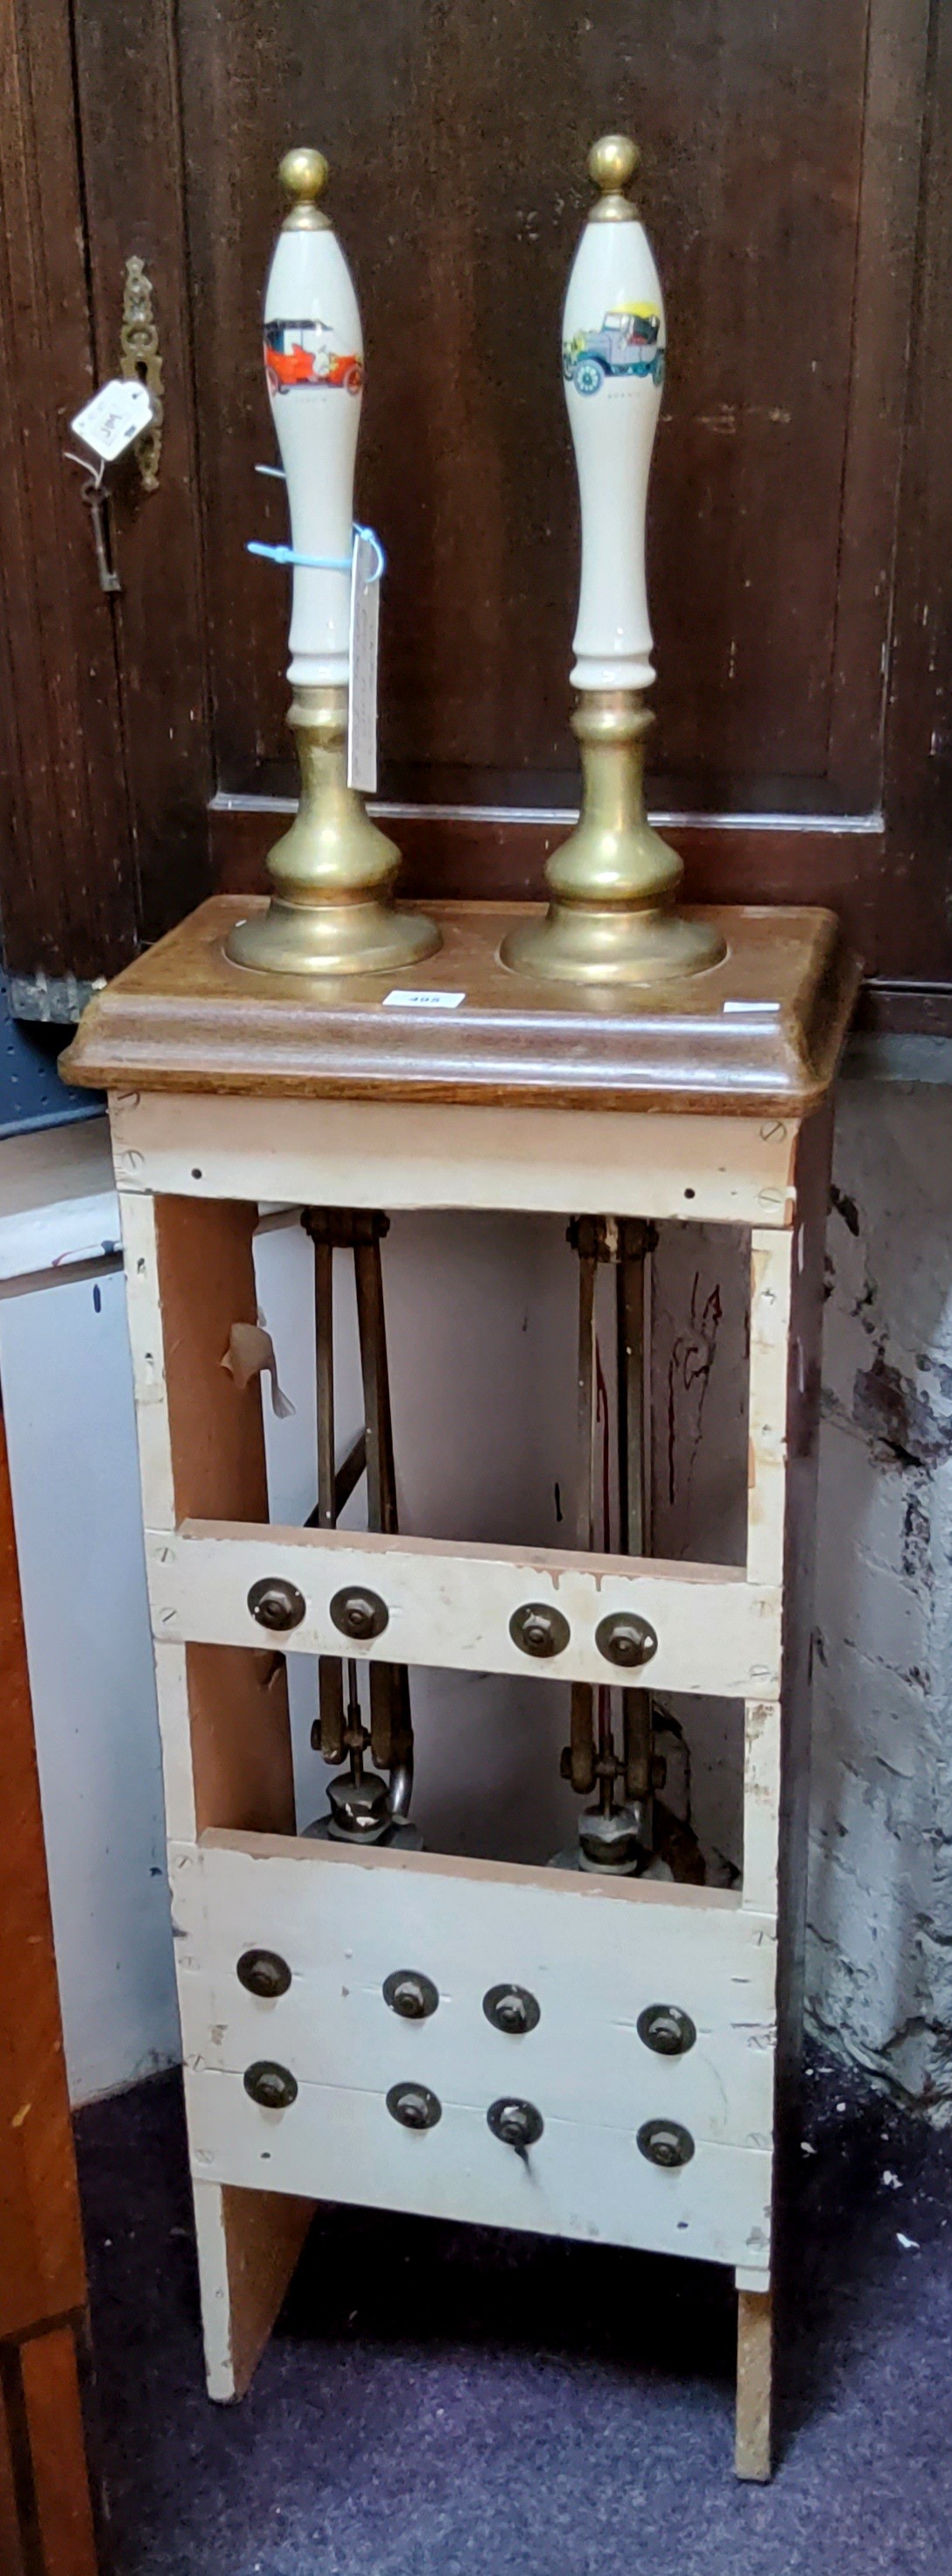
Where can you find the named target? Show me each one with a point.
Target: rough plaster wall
(879, 1966)
(879, 1947)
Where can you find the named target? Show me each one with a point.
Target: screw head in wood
(516, 2124)
(665, 2142)
(273, 2087)
(411, 1994)
(625, 1639)
(264, 1972)
(414, 2106)
(666, 2029)
(359, 1614)
(276, 1604)
(539, 1630)
(512, 2009)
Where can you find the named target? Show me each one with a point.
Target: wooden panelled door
(795, 183)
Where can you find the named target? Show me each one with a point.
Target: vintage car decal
(627, 344)
(300, 353)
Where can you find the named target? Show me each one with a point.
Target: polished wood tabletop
(761, 1032)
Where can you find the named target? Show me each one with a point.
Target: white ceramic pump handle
(613, 355)
(314, 362)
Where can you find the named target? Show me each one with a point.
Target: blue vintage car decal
(628, 344)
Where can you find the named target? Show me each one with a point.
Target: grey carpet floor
(438, 2400)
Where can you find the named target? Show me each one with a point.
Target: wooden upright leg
(753, 2443)
(222, 1710)
(248, 2243)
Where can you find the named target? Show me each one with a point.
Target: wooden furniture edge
(134, 1037)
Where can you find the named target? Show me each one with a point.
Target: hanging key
(93, 495)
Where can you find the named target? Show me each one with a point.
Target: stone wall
(879, 1957)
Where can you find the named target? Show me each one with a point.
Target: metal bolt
(359, 1614)
(666, 2029)
(264, 1972)
(539, 1630)
(624, 1638)
(414, 2106)
(516, 2124)
(273, 2087)
(276, 1604)
(411, 1994)
(512, 2009)
(664, 2142)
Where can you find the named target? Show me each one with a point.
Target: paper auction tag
(115, 418)
(364, 631)
(406, 1001)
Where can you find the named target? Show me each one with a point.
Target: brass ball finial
(304, 174)
(612, 162)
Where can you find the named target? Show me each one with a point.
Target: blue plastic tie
(321, 563)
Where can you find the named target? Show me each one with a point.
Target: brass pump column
(331, 912)
(611, 919)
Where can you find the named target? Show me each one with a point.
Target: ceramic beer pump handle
(331, 911)
(613, 882)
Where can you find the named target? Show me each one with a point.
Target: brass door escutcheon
(141, 356)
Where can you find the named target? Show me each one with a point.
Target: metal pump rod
(358, 1231)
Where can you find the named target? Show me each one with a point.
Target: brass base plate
(365, 938)
(606, 944)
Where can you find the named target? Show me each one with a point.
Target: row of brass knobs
(514, 2122)
(411, 1993)
(537, 1629)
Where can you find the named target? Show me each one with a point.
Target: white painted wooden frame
(351, 1153)
(339, 1920)
(450, 1605)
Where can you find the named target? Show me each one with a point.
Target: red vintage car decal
(298, 353)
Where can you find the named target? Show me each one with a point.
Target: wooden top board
(761, 1032)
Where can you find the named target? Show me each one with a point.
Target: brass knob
(516, 2124)
(624, 1638)
(304, 173)
(666, 2029)
(264, 1972)
(273, 2087)
(276, 1604)
(664, 2142)
(411, 1994)
(512, 2009)
(612, 162)
(414, 2106)
(539, 1630)
(359, 1614)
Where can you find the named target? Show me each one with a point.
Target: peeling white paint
(879, 1947)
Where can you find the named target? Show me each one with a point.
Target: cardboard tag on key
(364, 632)
(115, 418)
